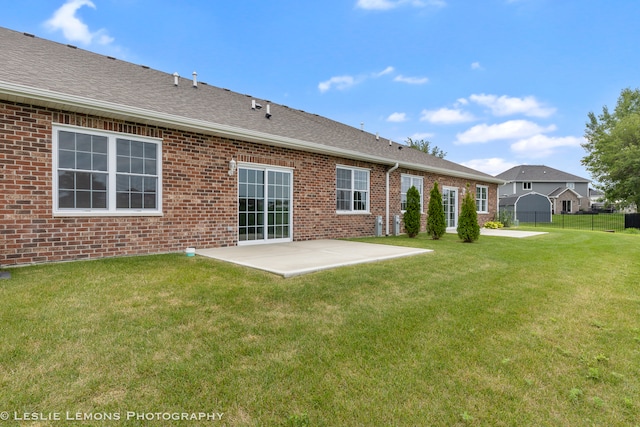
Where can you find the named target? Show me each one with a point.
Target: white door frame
(265, 213)
(446, 205)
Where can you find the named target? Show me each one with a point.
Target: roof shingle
(538, 173)
(79, 80)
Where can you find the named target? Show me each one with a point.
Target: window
(352, 189)
(482, 193)
(104, 173)
(407, 181)
(526, 186)
(571, 185)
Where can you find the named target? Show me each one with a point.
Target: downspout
(387, 216)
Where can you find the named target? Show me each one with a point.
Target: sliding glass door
(264, 205)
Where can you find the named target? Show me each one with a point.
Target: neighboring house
(530, 207)
(568, 193)
(100, 157)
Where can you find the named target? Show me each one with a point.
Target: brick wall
(199, 196)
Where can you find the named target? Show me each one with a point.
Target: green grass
(541, 331)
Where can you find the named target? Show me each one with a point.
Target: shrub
(493, 224)
(436, 225)
(412, 214)
(468, 228)
(506, 218)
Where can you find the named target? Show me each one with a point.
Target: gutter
(387, 201)
(27, 94)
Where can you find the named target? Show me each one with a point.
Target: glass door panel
(250, 205)
(450, 205)
(264, 205)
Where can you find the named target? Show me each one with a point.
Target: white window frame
(571, 185)
(111, 209)
(352, 211)
(527, 185)
(485, 199)
(403, 195)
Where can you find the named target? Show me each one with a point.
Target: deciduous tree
(425, 146)
(613, 147)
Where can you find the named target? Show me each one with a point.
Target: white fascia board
(27, 94)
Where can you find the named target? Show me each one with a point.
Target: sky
(493, 83)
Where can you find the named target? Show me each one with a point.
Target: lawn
(543, 331)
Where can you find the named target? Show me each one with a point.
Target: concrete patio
(296, 258)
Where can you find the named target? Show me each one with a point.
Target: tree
(468, 228)
(613, 146)
(425, 146)
(436, 225)
(412, 214)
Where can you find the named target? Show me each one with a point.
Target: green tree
(412, 214)
(613, 147)
(436, 225)
(468, 227)
(425, 146)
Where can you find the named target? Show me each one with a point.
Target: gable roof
(59, 76)
(561, 190)
(538, 173)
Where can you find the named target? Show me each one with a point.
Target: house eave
(67, 102)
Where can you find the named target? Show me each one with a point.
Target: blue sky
(494, 83)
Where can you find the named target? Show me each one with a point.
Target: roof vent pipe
(195, 79)
(268, 114)
(362, 126)
(377, 136)
(175, 78)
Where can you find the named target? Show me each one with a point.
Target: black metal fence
(579, 221)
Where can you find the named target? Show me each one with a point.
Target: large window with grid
(408, 181)
(103, 173)
(352, 190)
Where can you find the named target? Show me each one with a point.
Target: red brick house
(100, 157)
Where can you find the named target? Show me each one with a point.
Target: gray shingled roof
(43, 72)
(538, 173)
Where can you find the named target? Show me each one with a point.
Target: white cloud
(72, 27)
(387, 70)
(397, 117)
(411, 80)
(340, 83)
(492, 166)
(538, 146)
(476, 66)
(446, 116)
(346, 81)
(424, 135)
(506, 106)
(513, 129)
(392, 4)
